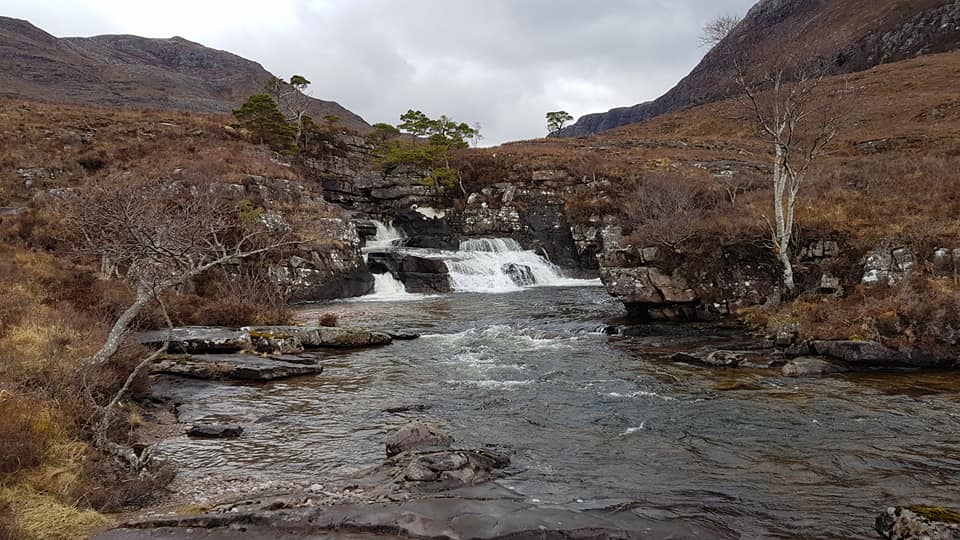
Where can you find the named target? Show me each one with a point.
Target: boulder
(811, 367)
(197, 339)
(240, 367)
(919, 523)
(649, 294)
(521, 274)
(417, 435)
(215, 431)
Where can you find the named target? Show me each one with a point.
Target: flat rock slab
(449, 517)
(239, 367)
(197, 339)
(322, 337)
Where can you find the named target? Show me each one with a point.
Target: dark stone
(798, 349)
(403, 335)
(240, 367)
(215, 431)
(365, 229)
(320, 337)
(521, 274)
(197, 339)
(418, 407)
(433, 242)
(418, 274)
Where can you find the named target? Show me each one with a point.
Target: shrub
(28, 430)
(328, 319)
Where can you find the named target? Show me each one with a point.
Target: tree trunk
(788, 282)
(120, 328)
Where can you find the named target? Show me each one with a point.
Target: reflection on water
(593, 420)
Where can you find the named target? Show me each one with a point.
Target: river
(591, 420)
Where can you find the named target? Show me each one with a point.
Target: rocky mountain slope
(852, 35)
(132, 71)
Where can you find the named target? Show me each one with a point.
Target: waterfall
(387, 236)
(499, 265)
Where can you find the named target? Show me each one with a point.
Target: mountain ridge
(853, 35)
(121, 70)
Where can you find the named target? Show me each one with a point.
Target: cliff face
(132, 71)
(853, 35)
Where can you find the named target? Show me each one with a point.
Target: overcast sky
(500, 63)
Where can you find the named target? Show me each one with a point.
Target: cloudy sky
(499, 63)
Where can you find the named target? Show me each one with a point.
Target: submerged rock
(240, 367)
(215, 431)
(919, 523)
(811, 367)
(870, 354)
(521, 274)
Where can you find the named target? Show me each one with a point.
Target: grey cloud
(501, 63)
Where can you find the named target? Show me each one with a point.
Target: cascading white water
(482, 265)
(387, 237)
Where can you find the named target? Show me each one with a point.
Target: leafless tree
(717, 29)
(667, 210)
(798, 115)
(158, 235)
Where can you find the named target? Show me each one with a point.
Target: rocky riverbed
(580, 417)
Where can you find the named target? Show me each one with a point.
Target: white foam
(480, 266)
(387, 288)
(631, 431)
(387, 237)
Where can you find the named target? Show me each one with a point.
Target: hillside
(131, 71)
(852, 35)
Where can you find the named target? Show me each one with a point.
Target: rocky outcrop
(329, 270)
(919, 523)
(870, 354)
(419, 275)
(520, 274)
(648, 294)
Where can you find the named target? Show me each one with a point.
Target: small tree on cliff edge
(443, 136)
(260, 116)
(292, 99)
(556, 120)
(798, 116)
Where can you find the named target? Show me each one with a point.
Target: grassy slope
(54, 311)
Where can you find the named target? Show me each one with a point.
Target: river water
(593, 421)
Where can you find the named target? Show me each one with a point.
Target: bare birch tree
(717, 29)
(158, 236)
(798, 116)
